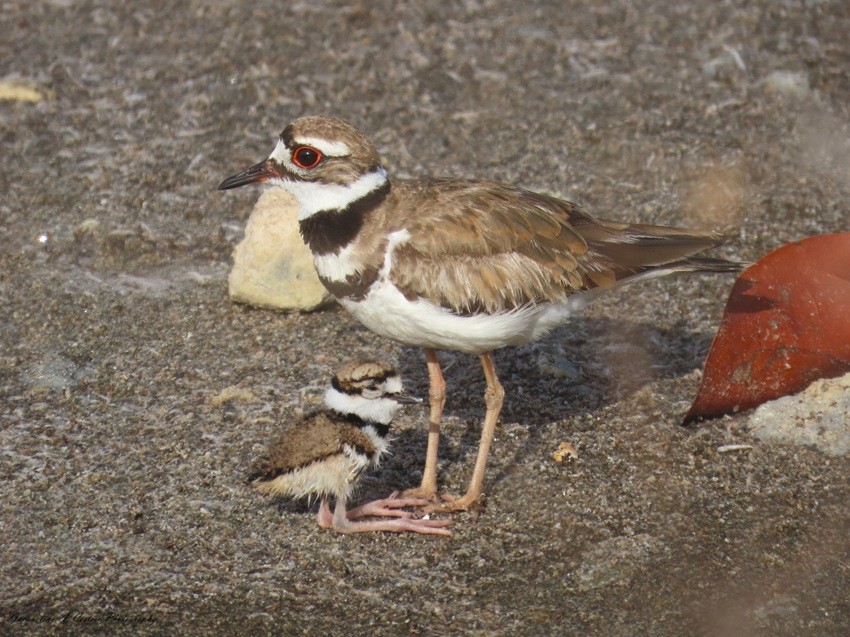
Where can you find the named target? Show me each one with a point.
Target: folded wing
(485, 246)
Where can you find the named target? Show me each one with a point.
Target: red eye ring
(306, 157)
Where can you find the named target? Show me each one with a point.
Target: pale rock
(725, 65)
(272, 267)
(54, 373)
(818, 416)
(787, 83)
(88, 228)
(19, 92)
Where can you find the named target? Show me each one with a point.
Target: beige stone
(19, 92)
(271, 266)
(787, 83)
(819, 416)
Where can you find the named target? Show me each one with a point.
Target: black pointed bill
(257, 173)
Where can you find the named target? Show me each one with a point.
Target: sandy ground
(124, 507)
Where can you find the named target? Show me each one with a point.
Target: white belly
(387, 312)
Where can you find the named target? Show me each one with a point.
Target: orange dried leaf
(786, 324)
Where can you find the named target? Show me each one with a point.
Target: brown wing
(487, 246)
(314, 438)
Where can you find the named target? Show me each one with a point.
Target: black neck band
(357, 421)
(329, 231)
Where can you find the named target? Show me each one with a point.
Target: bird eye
(371, 391)
(306, 157)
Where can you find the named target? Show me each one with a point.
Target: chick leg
(325, 518)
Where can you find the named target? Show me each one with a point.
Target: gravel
(134, 394)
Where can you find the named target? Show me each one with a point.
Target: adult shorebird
(456, 264)
(324, 453)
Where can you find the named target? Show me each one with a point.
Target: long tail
(640, 249)
(704, 264)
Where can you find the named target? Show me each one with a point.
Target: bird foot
(388, 507)
(399, 521)
(434, 501)
(395, 525)
(422, 493)
(472, 504)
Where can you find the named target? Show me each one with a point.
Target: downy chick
(324, 453)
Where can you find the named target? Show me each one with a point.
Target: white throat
(380, 410)
(314, 197)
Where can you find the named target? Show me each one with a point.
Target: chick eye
(371, 391)
(306, 157)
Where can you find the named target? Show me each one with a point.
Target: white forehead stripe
(314, 196)
(394, 385)
(280, 155)
(331, 149)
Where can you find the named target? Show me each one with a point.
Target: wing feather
(485, 246)
(310, 440)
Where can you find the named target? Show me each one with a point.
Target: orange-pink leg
(494, 397)
(437, 396)
(387, 507)
(341, 520)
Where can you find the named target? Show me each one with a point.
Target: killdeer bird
(456, 264)
(324, 453)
